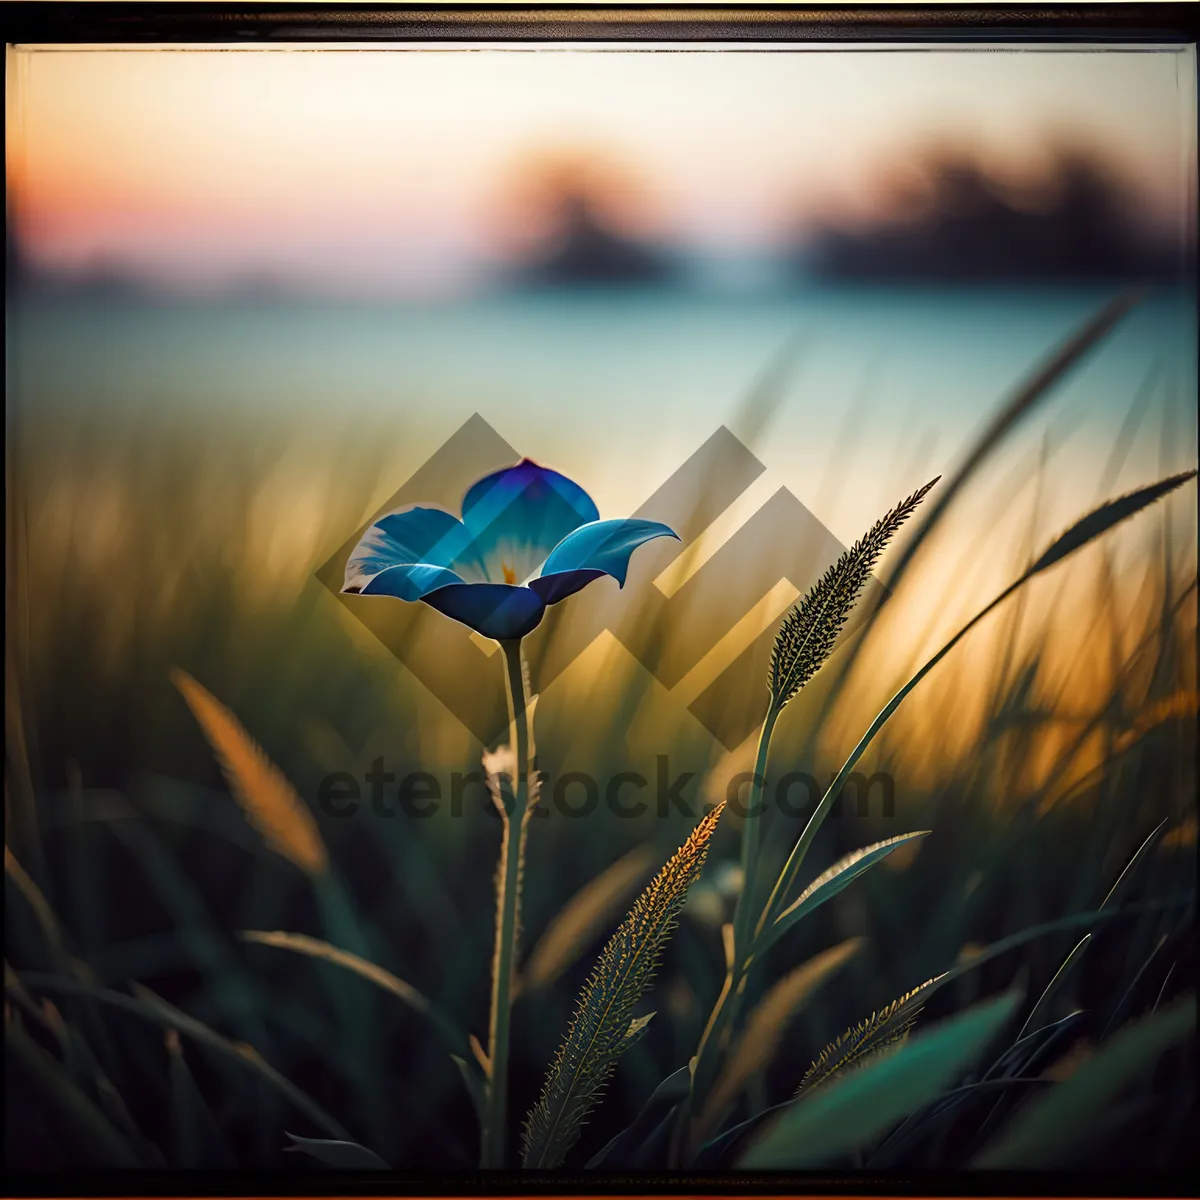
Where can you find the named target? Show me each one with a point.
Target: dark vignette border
(511, 1183)
(201, 23)
(205, 22)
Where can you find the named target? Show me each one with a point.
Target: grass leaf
(266, 797)
(601, 1028)
(1052, 1125)
(197, 1138)
(474, 1086)
(91, 1131)
(416, 1000)
(1113, 512)
(663, 1100)
(1044, 999)
(857, 1108)
(149, 1007)
(1131, 865)
(827, 885)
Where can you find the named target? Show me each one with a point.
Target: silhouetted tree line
(586, 250)
(1082, 226)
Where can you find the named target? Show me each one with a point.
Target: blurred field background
(251, 294)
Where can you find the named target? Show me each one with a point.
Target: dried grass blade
(266, 797)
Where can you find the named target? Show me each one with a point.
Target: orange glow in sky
(206, 164)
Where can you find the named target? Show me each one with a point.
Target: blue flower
(483, 570)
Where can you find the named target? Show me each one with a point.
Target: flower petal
(560, 585)
(411, 535)
(408, 581)
(518, 515)
(497, 610)
(602, 547)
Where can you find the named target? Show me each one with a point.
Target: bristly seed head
(808, 633)
(604, 1025)
(870, 1037)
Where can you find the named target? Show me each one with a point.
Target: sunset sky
(364, 170)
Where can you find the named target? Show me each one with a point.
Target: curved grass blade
(260, 788)
(1081, 946)
(617, 1153)
(1026, 398)
(857, 1108)
(731, 1137)
(475, 1088)
(85, 1071)
(90, 1126)
(827, 885)
(764, 1028)
(1055, 1122)
(343, 1156)
(583, 916)
(604, 1025)
(44, 915)
(197, 1138)
(1086, 529)
(315, 948)
(890, 1153)
(1021, 1057)
(1131, 865)
(1048, 994)
(149, 1007)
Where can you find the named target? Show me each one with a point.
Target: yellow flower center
(510, 575)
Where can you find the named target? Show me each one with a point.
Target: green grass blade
(1131, 865)
(827, 885)
(764, 1029)
(149, 1007)
(850, 1112)
(1070, 961)
(663, 1099)
(198, 1141)
(1047, 995)
(475, 1089)
(43, 914)
(373, 973)
(1051, 1126)
(92, 1132)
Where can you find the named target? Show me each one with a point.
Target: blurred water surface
(617, 386)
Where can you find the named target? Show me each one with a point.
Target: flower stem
(725, 1011)
(508, 913)
(744, 913)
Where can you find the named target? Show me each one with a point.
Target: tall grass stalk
(805, 640)
(1080, 534)
(514, 813)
